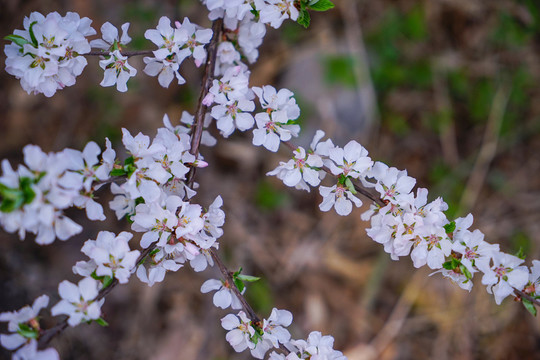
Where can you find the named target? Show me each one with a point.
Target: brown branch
(228, 275)
(198, 125)
(124, 53)
(521, 294)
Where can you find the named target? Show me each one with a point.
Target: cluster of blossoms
(404, 222)
(46, 55)
(153, 195)
(23, 327)
(34, 196)
(174, 46)
(271, 333)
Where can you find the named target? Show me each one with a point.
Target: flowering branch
(47, 335)
(123, 53)
(208, 77)
(524, 295)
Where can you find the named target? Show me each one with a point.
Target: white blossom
(503, 275)
(117, 70)
(339, 197)
(110, 39)
(31, 352)
(78, 301)
(303, 169)
(271, 129)
(239, 332)
(277, 11)
(224, 296)
(112, 255)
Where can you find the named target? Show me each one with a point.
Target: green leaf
(27, 331)
(528, 304)
(118, 172)
(448, 265)
(130, 169)
(27, 191)
(107, 281)
(350, 185)
(248, 278)
(465, 271)
(520, 253)
(102, 322)
(32, 35)
(19, 40)
(12, 199)
(321, 5)
(237, 272)
(95, 277)
(304, 19)
(239, 284)
(129, 161)
(450, 227)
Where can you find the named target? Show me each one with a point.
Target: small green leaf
(95, 277)
(129, 161)
(12, 199)
(27, 191)
(239, 284)
(321, 5)
(257, 336)
(27, 331)
(350, 185)
(248, 278)
(450, 227)
(520, 253)
(19, 40)
(32, 35)
(465, 271)
(118, 172)
(304, 19)
(529, 306)
(102, 322)
(448, 265)
(130, 169)
(237, 272)
(107, 281)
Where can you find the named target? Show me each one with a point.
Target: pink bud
(201, 164)
(198, 62)
(208, 99)
(178, 24)
(192, 249)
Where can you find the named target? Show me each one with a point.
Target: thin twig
(527, 296)
(47, 335)
(124, 53)
(198, 125)
(228, 275)
(357, 187)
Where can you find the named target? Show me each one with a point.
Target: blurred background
(447, 89)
